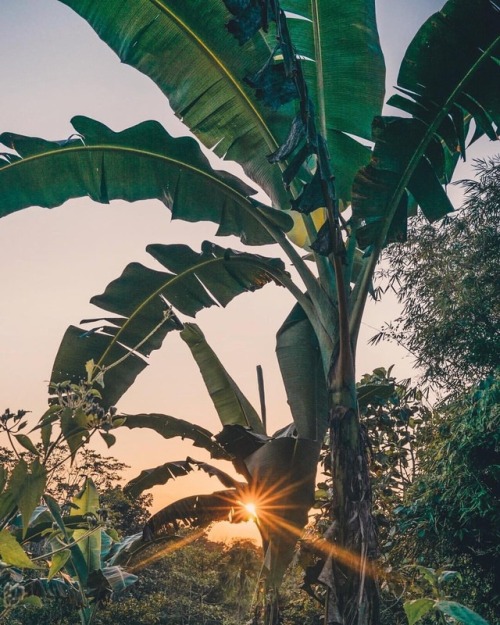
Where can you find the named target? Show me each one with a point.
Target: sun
(251, 508)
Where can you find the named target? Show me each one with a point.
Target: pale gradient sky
(53, 67)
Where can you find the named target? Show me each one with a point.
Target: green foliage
(287, 88)
(204, 582)
(450, 513)
(143, 298)
(440, 605)
(54, 542)
(446, 278)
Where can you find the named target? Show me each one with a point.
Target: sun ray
(170, 547)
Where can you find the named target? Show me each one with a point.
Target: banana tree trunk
(349, 573)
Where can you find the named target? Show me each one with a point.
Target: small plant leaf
(417, 608)
(26, 442)
(108, 438)
(460, 613)
(58, 561)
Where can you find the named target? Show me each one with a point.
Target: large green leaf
(24, 491)
(170, 427)
(417, 609)
(141, 162)
(457, 36)
(166, 37)
(347, 75)
(185, 48)
(232, 406)
(450, 74)
(142, 297)
(303, 374)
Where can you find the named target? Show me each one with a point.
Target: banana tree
(286, 89)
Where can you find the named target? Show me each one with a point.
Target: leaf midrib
(172, 279)
(269, 137)
(242, 199)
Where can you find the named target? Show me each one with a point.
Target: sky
(52, 67)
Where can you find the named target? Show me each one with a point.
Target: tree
(445, 276)
(284, 86)
(450, 513)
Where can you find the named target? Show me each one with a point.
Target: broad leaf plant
(292, 90)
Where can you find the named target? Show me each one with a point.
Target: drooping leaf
(157, 476)
(224, 478)
(122, 551)
(26, 486)
(194, 511)
(464, 36)
(231, 404)
(301, 366)
(117, 578)
(14, 487)
(170, 427)
(374, 185)
(459, 36)
(171, 470)
(26, 442)
(142, 162)
(142, 297)
(108, 438)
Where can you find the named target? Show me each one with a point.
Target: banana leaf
(303, 374)
(345, 72)
(170, 470)
(232, 406)
(282, 484)
(170, 427)
(143, 299)
(141, 162)
(450, 74)
(185, 49)
(194, 511)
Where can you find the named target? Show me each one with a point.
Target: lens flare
(251, 508)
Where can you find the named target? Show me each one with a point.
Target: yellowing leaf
(58, 561)
(12, 553)
(298, 234)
